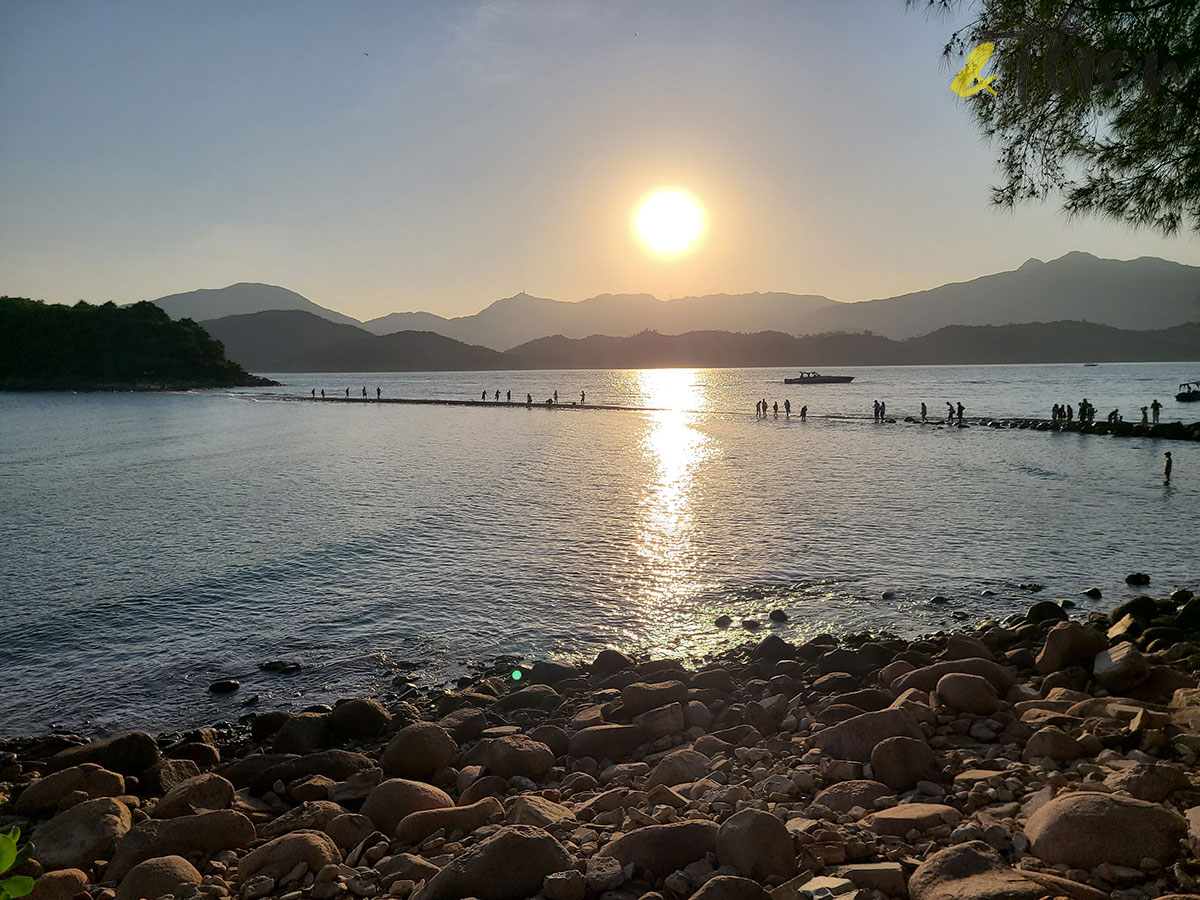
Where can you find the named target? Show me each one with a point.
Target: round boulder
(756, 844)
(1085, 829)
(518, 754)
(394, 799)
(278, 857)
(417, 751)
(968, 694)
(900, 762)
(510, 865)
(155, 877)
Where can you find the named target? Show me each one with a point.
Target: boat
(1189, 392)
(818, 378)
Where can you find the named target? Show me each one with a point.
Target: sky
(381, 156)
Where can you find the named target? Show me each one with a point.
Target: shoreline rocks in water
(1026, 758)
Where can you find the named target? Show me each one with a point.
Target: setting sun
(669, 221)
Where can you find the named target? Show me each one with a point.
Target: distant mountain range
(1146, 293)
(296, 341)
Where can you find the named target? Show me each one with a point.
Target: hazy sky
(482, 148)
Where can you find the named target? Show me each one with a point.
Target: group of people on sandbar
(952, 413)
(1087, 413)
(378, 393)
(761, 409)
(550, 401)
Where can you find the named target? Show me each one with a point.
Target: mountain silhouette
(238, 299)
(1136, 295)
(295, 341)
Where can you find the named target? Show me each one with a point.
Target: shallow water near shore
(153, 543)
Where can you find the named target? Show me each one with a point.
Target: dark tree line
(1096, 100)
(52, 346)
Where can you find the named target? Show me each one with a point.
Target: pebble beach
(1032, 757)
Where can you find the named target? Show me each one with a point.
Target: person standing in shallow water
(314, 393)
(1154, 408)
(347, 393)
(960, 412)
(875, 407)
(1167, 467)
(378, 393)
(924, 413)
(1145, 415)
(508, 396)
(787, 409)
(949, 412)
(483, 396)
(775, 407)
(803, 413)
(322, 393)
(364, 392)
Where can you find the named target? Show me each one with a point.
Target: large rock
(359, 719)
(1086, 829)
(856, 737)
(900, 820)
(129, 754)
(968, 694)
(518, 754)
(207, 833)
(609, 662)
(641, 697)
(926, 678)
(605, 741)
(203, 793)
(79, 836)
(1153, 783)
(530, 809)
(974, 871)
(1053, 743)
(1120, 668)
(165, 774)
(661, 849)
(153, 878)
(535, 696)
(465, 723)
(396, 798)
(757, 845)
(417, 826)
(509, 865)
(278, 857)
(900, 762)
(679, 767)
(730, 887)
(61, 884)
(845, 795)
(62, 790)
(302, 733)
(417, 751)
(661, 721)
(1069, 644)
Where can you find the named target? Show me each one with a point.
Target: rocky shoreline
(1025, 758)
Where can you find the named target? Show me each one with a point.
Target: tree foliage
(1097, 100)
(51, 346)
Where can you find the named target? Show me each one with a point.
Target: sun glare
(669, 221)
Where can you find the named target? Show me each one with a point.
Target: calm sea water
(152, 543)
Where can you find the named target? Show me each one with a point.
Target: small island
(87, 347)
